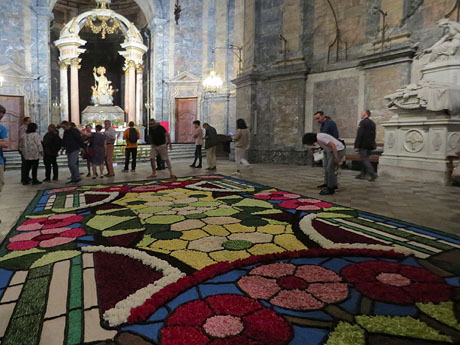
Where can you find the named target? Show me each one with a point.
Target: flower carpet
(214, 260)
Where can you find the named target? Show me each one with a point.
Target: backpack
(132, 136)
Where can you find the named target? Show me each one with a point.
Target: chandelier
(212, 83)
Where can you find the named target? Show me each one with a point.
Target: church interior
(237, 253)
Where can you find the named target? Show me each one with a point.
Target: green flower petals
(443, 312)
(55, 257)
(237, 245)
(400, 326)
(347, 334)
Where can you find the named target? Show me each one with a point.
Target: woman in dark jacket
(51, 145)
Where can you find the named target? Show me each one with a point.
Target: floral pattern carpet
(221, 261)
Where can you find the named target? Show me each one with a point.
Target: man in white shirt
(334, 147)
(110, 136)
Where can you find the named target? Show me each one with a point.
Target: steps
(179, 151)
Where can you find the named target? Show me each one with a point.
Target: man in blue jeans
(72, 142)
(327, 126)
(364, 144)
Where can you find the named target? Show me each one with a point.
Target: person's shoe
(214, 168)
(108, 175)
(373, 178)
(192, 166)
(46, 180)
(125, 170)
(327, 191)
(25, 183)
(322, 186)
(36, 182)
(198, 166)
(55, 179)
(360, 177)
(88, 174)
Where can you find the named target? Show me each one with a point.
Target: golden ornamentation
(63, 64)
(75, 62)
(104, 27)
(131, 64)
(139, 68)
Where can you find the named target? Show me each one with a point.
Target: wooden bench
(450, 167)
(354, 156)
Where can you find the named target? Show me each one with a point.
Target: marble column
(132, 91)
(64, 91)
(40, 20)
(139, 94)
(126, 95)
(75, 97)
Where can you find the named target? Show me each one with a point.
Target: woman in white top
(32, 152)
(241, 139)
(334, 147)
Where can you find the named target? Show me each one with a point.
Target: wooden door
(14, 106)
(186, 111)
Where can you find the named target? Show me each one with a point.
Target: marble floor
(429, 205)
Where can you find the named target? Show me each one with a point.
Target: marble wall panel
(339, 99)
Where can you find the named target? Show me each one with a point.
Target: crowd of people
(97, 147)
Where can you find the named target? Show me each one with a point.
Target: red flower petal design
(329, 292)
(183, 335)
(314, 274)
(233, 304)
(424, 285)
(265, 325)
(190, 314)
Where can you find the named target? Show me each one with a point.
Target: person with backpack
(131, 136)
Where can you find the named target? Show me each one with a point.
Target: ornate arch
(70, 43)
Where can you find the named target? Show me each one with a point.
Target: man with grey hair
(4, 143)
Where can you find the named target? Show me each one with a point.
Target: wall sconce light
(56, 104)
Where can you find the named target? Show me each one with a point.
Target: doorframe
(184, 85)
(176, 111)
(16, 116)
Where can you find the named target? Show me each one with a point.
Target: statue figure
(102, 90)
(448, 45)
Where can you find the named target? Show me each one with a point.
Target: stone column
(40, 62)
(75, 98)
(139, 94)
(132, 91)
(126, 95)
(64, 91)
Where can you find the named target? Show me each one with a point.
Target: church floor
(428, 205)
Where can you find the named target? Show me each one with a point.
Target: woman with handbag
(96, 151)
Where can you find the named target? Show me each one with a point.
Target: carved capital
(63, 64)
(75, 62)
(131, 64)
(139, 68)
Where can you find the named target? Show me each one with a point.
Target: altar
(98, 114)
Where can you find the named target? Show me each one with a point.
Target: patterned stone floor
(429, 205)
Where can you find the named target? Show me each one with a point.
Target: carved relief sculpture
(433, 92)
(448, 45)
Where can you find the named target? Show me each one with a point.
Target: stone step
(179, 151)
